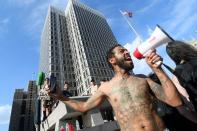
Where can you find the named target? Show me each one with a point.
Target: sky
(21, 24)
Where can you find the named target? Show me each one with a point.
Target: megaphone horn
(158, 37)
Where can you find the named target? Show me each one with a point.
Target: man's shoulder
(105, 86)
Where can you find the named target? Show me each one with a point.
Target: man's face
(123, 58)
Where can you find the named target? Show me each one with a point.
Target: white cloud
(59, 3)
(5, 111)
(4, 21)
(181, 16)
(148, 7)
(111, 21)
(131, 46)
(186, 26)
(3, 25)
(35, 21)
(149, 30)
(115, 22)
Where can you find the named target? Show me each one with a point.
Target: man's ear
(112, 60)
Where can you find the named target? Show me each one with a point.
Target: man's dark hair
(110, 54)
(178, 50)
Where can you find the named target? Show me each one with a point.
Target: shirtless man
(130, 95)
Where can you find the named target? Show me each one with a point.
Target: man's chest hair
(129, 90)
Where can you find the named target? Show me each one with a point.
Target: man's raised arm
(92, 102)
(167, 92)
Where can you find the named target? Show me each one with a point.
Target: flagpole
(130, 25)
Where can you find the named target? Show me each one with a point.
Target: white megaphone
(158, 37)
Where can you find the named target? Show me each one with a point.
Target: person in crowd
(46, 100)
(185, 58)
(66, 90)
(93, 87)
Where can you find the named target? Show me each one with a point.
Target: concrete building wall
(55, 53)
(16, 110)
(92, 120)
(23, 109)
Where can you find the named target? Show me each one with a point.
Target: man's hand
(153, 59)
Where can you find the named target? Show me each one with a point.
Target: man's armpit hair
(157, 90)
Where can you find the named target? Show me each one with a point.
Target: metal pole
(132, 28)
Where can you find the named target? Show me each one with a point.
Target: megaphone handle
(158, 62)
(148, 52)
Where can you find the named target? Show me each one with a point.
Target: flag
(127, 13)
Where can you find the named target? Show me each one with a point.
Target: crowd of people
(154, 102)
(48, 102)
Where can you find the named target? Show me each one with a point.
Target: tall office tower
(55, 53)
(74, 46)
(22, 115)
(90, 37)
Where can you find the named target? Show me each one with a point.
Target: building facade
(74, 45)
(23, 109)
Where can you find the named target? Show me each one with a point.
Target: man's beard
(121, 63)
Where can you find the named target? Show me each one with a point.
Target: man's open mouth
(128, 58)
